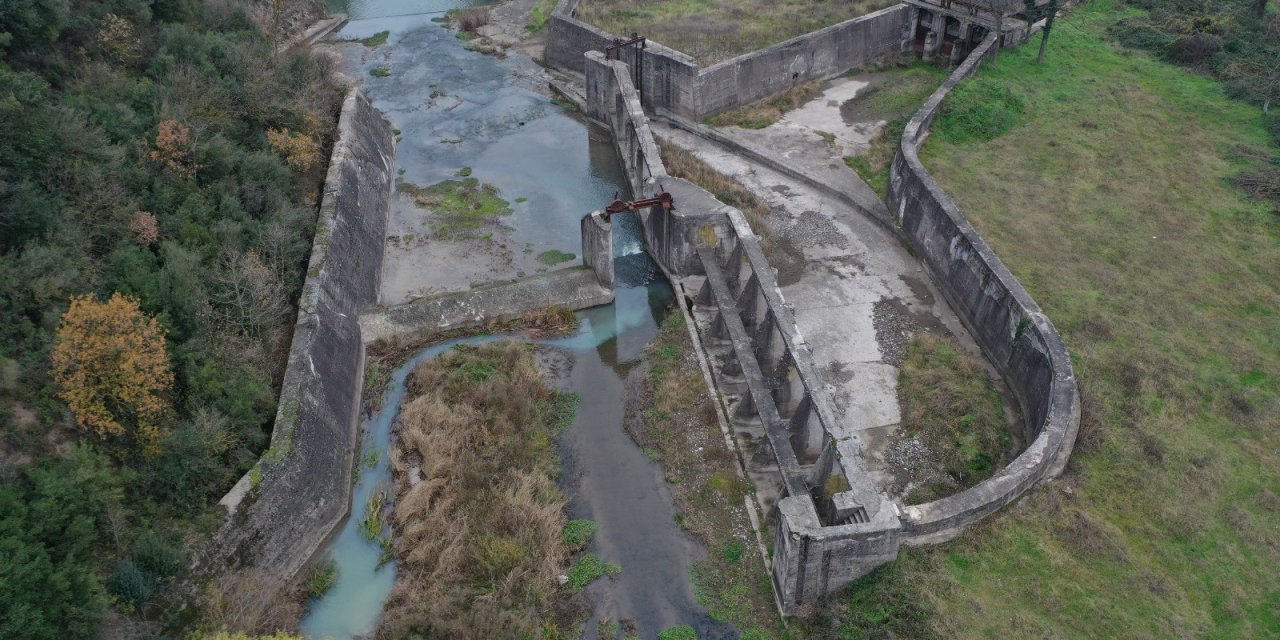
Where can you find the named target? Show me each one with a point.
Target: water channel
(513, 137)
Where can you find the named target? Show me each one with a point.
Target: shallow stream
(513, 137)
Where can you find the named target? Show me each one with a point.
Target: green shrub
(131, 584)
(157, 557)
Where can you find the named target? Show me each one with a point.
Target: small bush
(577, 533)
(380, 72)
(471, 20)
(131, 584)
(1193, 49)
(321, 579)
(152, 554)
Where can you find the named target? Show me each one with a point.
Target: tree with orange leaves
(112, 370)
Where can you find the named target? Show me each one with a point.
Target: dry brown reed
(478, 512)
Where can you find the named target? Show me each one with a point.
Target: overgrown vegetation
(716, 30)
(1234, 41)
(539, 14)
(162, 151)
(681, 163)
(1111, 201)
(678, 424)
(893, 96)
(479, 515)
(461, 209)
(954, 433)
(762, 113)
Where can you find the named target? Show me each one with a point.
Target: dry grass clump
(683, 164)
(478, 512)
(951, 405)
(762, 113)
(470, 20)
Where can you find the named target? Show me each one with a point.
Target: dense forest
(160, 165)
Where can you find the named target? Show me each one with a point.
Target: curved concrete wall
(288, 504)
(1009, 326)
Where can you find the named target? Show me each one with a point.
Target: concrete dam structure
(831, 523)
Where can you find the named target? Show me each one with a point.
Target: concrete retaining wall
(288, 504)
(671, 81)
(1009, 326)
(814, 56)
(763, 367)
(671, 236)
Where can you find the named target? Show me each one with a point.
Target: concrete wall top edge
(1046, 454)
(839, 26)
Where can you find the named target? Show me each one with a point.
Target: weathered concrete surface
(575, 288)
(762, 365)
(1015, 334)
(858, 295)
(597, 246)
(671, 81)
(287, 505)
(813, 56)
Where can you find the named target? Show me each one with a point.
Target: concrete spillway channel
(464, 116)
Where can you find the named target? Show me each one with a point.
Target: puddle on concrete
(486, 114)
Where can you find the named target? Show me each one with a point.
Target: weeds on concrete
(555, 257)
(953, 421)
(461, 209)
(479, 513)
(716, 30)
(678, 423)
(683, 164)
(763, 113)
(679, 632)
(895, 94)
(380, 72)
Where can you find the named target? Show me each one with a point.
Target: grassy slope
(1109, 201)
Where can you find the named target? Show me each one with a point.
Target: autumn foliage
(112, 370)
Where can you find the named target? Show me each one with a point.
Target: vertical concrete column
(597, 246)
(600, 87)
(933, 41)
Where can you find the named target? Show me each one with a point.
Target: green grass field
(1101, 178)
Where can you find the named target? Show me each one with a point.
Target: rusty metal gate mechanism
(663, 199)
(613, 52)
